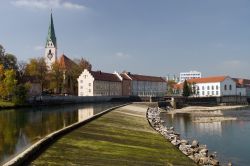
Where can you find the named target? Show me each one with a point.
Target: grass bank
(6, 104)
(121, 137)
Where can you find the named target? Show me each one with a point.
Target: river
(20, 128)
(229, 139)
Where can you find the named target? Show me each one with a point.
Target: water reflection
(228, 138)
(85, 113)
(22, 127)
(213, 128)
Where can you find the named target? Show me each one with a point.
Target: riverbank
(198, 153)
(120, 137)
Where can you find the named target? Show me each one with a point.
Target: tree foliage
(37, 68)
(186, 89)
(8, 82)
(171, 84)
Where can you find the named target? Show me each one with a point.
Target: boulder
(184, 142)
(214, 162)
(195, 144)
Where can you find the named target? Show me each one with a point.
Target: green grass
(6, 104)
(114, 139)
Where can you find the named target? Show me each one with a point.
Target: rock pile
(198, 153)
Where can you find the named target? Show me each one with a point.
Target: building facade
(213, 87)
(189, 75)
(143, 86)
(98, 83)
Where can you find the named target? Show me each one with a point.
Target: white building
(147, 85)
(189, 75)
(216, 86)
(97, 83)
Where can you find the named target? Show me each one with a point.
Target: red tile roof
(146, 78)
(66, 62)
(242, 82)
(208, 79)
(101, 76)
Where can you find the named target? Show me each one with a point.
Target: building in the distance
(142, 85)
(213, 87)
(98, 83)
(189, 75)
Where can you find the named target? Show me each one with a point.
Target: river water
(230, 139)
(20, 128)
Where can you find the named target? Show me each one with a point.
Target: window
(225, 87)
(217, 87)
(81, 87)
(230, 87)
(208, 93)
(212, 92)
(89, 84)
(208, 88)
(212, 87)
(217, 92)
(203, 93)
(89, 90)
(203, 88)
(81, 81)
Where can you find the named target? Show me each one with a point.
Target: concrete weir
(198, 153)
(39, 146)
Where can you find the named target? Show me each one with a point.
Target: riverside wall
(54, 100)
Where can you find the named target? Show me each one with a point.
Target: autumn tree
(56, 77)
(171, 84)
(37, 68)
(8, 82)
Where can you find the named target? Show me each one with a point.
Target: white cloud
(121, 55)
(38, 48)
(48, 4)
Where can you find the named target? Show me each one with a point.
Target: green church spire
(51, 33)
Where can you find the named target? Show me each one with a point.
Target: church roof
(51, 33)
(66, 62)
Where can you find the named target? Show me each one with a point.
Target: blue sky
(154, 37)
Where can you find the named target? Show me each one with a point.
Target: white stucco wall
(85, 84)
(208, 89)
(224, 88)
(241, 91)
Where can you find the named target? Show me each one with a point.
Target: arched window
(230, 87)
(208, 88)
(225, 87)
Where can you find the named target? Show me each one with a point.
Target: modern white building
(216, 86)
(98, 83)
(189, 75)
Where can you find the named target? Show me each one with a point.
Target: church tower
(51, 45)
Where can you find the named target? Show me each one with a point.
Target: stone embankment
(198, 153)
